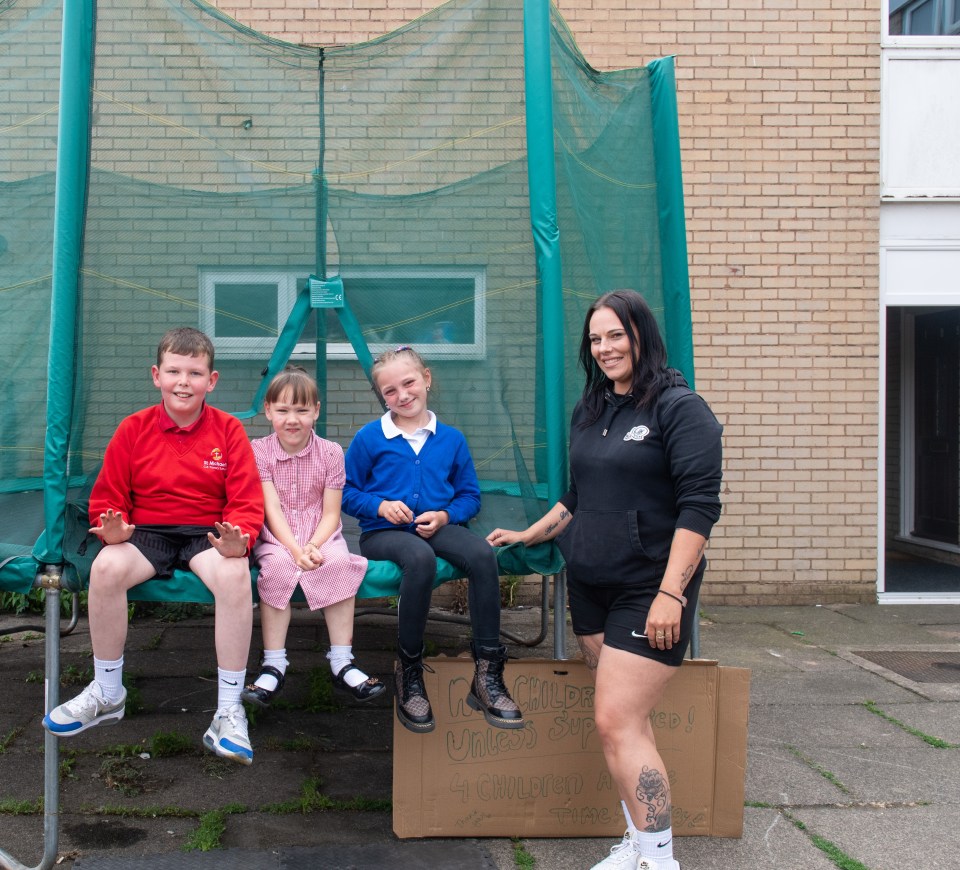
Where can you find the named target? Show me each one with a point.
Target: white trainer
(227, 735)
(654, 864)
(78, 714)
(623, 856)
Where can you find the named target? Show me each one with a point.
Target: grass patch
(311, 800)
(123, 750)
(840, 858)
(522, 859)
(134, 703)
(21, 808)
(146, 812)
(121, 775)
(166, 744)
(509, 587)
(68, 761)
(300, 743)
(826, 774)
(154, 642)
(71, 675)
(320, 697)
(7, 740)
(935, 742)
(210, 831)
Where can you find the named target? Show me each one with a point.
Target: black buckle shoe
(367, 690)
(257, 695)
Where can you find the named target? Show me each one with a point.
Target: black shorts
(619, 613)
(170, 547)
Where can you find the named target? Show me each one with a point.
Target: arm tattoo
(653, 792)
(688, 571)
(546, 532)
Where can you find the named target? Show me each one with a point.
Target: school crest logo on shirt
(216, 461)
(637, 433)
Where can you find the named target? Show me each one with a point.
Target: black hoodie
(636, 476)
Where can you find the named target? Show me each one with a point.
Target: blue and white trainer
(227, 735)
(85, 711)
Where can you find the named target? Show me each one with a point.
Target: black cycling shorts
(619, 613)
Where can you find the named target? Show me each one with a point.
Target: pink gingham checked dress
(300, 481)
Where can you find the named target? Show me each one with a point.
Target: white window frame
(917, 40)
(287, 280)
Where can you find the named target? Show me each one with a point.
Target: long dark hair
(649, 353)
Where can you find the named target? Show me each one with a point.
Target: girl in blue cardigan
(412, 486)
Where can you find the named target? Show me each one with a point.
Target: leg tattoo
(653, 792)
(590, 659)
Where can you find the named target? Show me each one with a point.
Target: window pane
(921, 19)
(245, 310)
(396, 310)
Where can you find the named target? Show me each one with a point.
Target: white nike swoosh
(637, 635)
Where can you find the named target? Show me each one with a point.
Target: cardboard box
(467, 779)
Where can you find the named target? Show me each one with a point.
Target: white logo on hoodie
(637, 433)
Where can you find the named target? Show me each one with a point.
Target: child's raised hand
(395, 512)
(112, 528)
(429, 522)
(232, 543)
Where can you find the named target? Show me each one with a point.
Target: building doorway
(922, 473)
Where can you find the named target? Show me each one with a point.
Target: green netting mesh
(227, 168)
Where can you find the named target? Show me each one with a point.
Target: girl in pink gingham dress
(302, 539)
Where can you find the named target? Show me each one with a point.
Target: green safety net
(212, 177)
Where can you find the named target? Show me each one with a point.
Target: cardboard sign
(549, 779)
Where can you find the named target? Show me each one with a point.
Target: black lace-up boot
(488, 694)
(413, 708)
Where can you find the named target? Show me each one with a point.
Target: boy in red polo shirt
(179, 488)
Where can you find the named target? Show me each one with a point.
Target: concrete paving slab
(809, 735)
(890, 838)
(777, 776)
(908, 776)
(940, 720)
(838, 724)
(854, 685)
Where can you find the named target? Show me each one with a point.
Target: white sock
(340, 657)
(655, 844)
(276, 658)
(109, 677)
(229, 686)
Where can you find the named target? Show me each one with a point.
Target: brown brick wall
(779, 118)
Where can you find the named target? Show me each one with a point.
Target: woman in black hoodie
(645, 470)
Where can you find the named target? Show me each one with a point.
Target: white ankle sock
(109, 677)
(229, 686)
(340, 657)
(276, 658)
(655, 844)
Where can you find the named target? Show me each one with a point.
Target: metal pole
(49, 580)
(542, 181)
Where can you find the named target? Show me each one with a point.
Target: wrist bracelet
(681, 598)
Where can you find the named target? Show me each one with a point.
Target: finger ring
(659, 634)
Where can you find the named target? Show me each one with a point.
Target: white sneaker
(227, 735)
(654, 864)
(622, 856)
(89, 708)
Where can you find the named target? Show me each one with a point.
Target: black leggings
(416, 557)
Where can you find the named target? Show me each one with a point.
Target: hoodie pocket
(605, 547)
